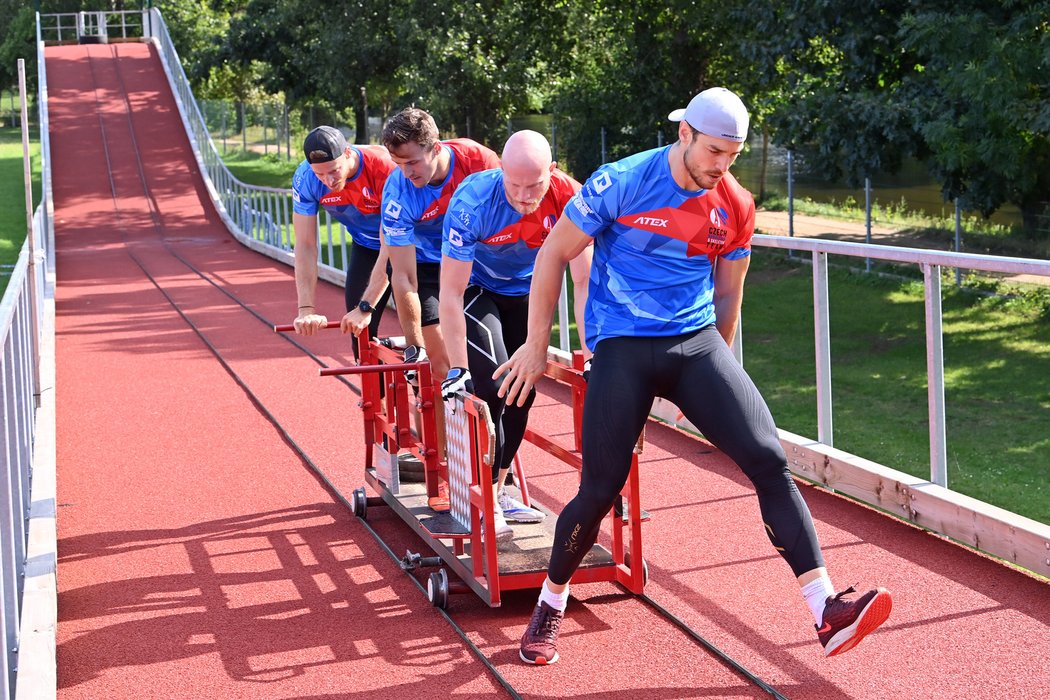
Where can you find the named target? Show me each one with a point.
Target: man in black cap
(347, 181)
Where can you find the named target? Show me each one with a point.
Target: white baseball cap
(716, 112)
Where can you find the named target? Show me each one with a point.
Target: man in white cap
(672, 240)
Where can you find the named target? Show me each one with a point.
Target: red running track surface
(199, 556)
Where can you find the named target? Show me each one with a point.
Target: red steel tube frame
(378, 361)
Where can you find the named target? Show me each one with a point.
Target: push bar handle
(367, 369)
(289, 327)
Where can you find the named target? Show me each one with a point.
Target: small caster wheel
(437, 589)
(359, 502)
(645, 567)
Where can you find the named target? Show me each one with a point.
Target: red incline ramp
(200, 558)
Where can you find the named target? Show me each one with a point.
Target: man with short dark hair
(672, 241)
(414, 202)
(347, 181)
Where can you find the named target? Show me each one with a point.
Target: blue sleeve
(399, 226)
(459, 236)
(597, 204)
(304, 198)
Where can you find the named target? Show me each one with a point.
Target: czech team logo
(717, 233)
(548, 222)
(369, 196)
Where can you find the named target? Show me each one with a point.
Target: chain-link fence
(274, 127)
(11, 112)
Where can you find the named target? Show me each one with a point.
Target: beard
(705, 179)
(526, 208)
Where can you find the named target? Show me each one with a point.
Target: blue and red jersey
(356, 206)
(482, 227)
(655, 245)
(414, 215)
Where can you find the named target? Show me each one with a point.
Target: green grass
(996, 355)
(997, 376)
(979, 235)
(258, 169)
(13, 196)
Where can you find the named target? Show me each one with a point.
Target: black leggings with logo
(362, 260)
(497, 325)
(698, 373)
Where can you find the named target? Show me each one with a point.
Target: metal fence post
(958, 241)
(935, 375)
(603, 145)
(822, 347)
(867, 220)
(791, 197)
(34, 302)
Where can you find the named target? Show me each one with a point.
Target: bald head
(527, 168)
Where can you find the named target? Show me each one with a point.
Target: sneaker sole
(874, 614)
(524, 518)
(539, 660)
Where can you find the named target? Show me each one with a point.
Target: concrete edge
(37, 673)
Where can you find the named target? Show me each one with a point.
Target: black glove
(587, 370)
(414, 353)
(458, 383)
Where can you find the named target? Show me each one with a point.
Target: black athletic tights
(699, 374)
(496, 326)
(362, 260)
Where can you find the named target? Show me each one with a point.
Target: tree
(980, 95)
(629, 65)
(19, 41)
(857, 86)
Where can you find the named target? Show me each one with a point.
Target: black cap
(323, 144)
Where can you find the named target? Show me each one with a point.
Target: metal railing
(21, 337)
(95, 26)
(931, 263)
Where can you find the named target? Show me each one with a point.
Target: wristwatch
(366, 307)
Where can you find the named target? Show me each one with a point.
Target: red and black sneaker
(846, 622)
(539, 643)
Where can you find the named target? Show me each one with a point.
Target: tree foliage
(855, 86)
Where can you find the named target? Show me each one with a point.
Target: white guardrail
(28, 548)
(260, 217)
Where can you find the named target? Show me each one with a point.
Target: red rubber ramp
(199, 557)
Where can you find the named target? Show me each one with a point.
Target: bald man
(494, 226)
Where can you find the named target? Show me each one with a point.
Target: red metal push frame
(388, 407)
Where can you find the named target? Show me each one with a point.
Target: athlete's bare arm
(307, 320)
(406, 292)
(357, 320)
(580, 270)
(455, 276)
(529, 362)
(729, 294)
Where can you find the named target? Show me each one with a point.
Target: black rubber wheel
(359, 502)
(437, 589)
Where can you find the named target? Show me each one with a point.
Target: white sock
(816, 594)
(558, 601)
